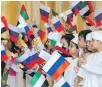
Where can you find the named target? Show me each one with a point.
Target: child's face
(48, 43)
(95, 44)
(89, 45)
(72, 48)
(81, 42)
(64, 42)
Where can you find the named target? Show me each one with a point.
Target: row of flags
(56, 64)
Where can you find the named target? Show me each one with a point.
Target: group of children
(85, 69)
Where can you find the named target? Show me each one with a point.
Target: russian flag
(75, 7)
(98, 17)
(61, 83)
(56, 65)
(14, 33)
(44, 12)
(57, 24)
(29, 32)
(4, 25)
(3, 54)
(31, 60)
(47, 26)
(41, 34)
(44, 55)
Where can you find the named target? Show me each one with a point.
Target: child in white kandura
(70, 73)
(92, 69)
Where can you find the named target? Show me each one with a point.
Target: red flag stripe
(3, 19)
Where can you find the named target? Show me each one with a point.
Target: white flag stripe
(73, 3)
(55, 56)
(59, 44)
(84, 10)
(68, 12)
(97, 12)
(29, 71)
(55, 19)
(23, 57)
(2, 24)
(46, 56)
(59, 83)
(13, 28)
(2, 47)
(22, 21)
(45, 8)
(21, 30)
(40, 81)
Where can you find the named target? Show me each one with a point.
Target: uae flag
(37, 80)
(89, 21)
(22, 17)
(4, 25)
(84, 8)
(44, 12)
(73, 28)
(56, 65)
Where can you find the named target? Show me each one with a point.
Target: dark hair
(34, 26)
(83, 33)
(68, 37)
(76, 45)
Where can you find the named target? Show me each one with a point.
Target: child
(93, 66)
(65, 40)
(70, 73)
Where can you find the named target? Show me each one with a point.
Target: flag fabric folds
(41, 34)
(98, 17)
(22, 17)
(57, 24)
(84, 8)
(75, 7)
(89, 21)
(61, 83)
(47, 26)
(4, 25)
(3, 54)
(56, 65)
(44, 12)
(37, 80)
(44, 55)
(14, 33)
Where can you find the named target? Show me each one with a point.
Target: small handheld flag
(57, 24)
(44, 12)
(56, 65)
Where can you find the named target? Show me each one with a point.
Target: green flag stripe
(71, 30)
(53, 43)
(82, 5)
(35, 79)
(3, 30)
(23, 14)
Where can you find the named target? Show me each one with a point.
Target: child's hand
(76, 69)
(83, 60)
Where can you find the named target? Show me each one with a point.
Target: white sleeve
(93, 68)
(81, 73)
